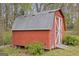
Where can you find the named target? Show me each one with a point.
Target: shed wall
(23, 38)
(58, 14)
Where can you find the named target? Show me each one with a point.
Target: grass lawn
(70, 51)
(10, 51)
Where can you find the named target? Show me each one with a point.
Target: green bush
(35, 49)
(7, 38)
(71, 40)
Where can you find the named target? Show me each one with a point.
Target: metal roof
(39, 21)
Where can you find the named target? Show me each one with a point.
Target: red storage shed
(46, 27)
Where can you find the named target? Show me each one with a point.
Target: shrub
(1, 42)
(35, 49)
(71, 40)
(7, 38)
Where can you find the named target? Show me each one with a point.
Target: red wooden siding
(23, 38)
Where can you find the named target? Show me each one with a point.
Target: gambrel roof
(39, 21)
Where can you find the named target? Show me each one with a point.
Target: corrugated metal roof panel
(43, 21)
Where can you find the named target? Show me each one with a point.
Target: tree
(0, 10)
(76, 27)
(52, 6)
(15, 10)
(1, 26)
(26, 7)
(7, 15)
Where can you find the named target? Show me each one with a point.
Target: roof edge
(31, 29)
(47, 11)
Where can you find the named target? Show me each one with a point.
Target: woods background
(8, 13)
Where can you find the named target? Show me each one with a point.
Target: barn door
(59, 32)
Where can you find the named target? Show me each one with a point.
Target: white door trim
(59, 32)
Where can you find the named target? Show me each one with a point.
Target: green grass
(70, 51)
(13, 51)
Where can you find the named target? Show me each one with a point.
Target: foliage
(76, 27)
(35, 49)
(7, 38)
(71, 40)
(1, 42)
(26, 6)
(68, 20)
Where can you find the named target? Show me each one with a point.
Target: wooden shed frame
(47, 27)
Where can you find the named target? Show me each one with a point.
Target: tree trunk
(15, 10)
(1, 26)
(7, 16)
